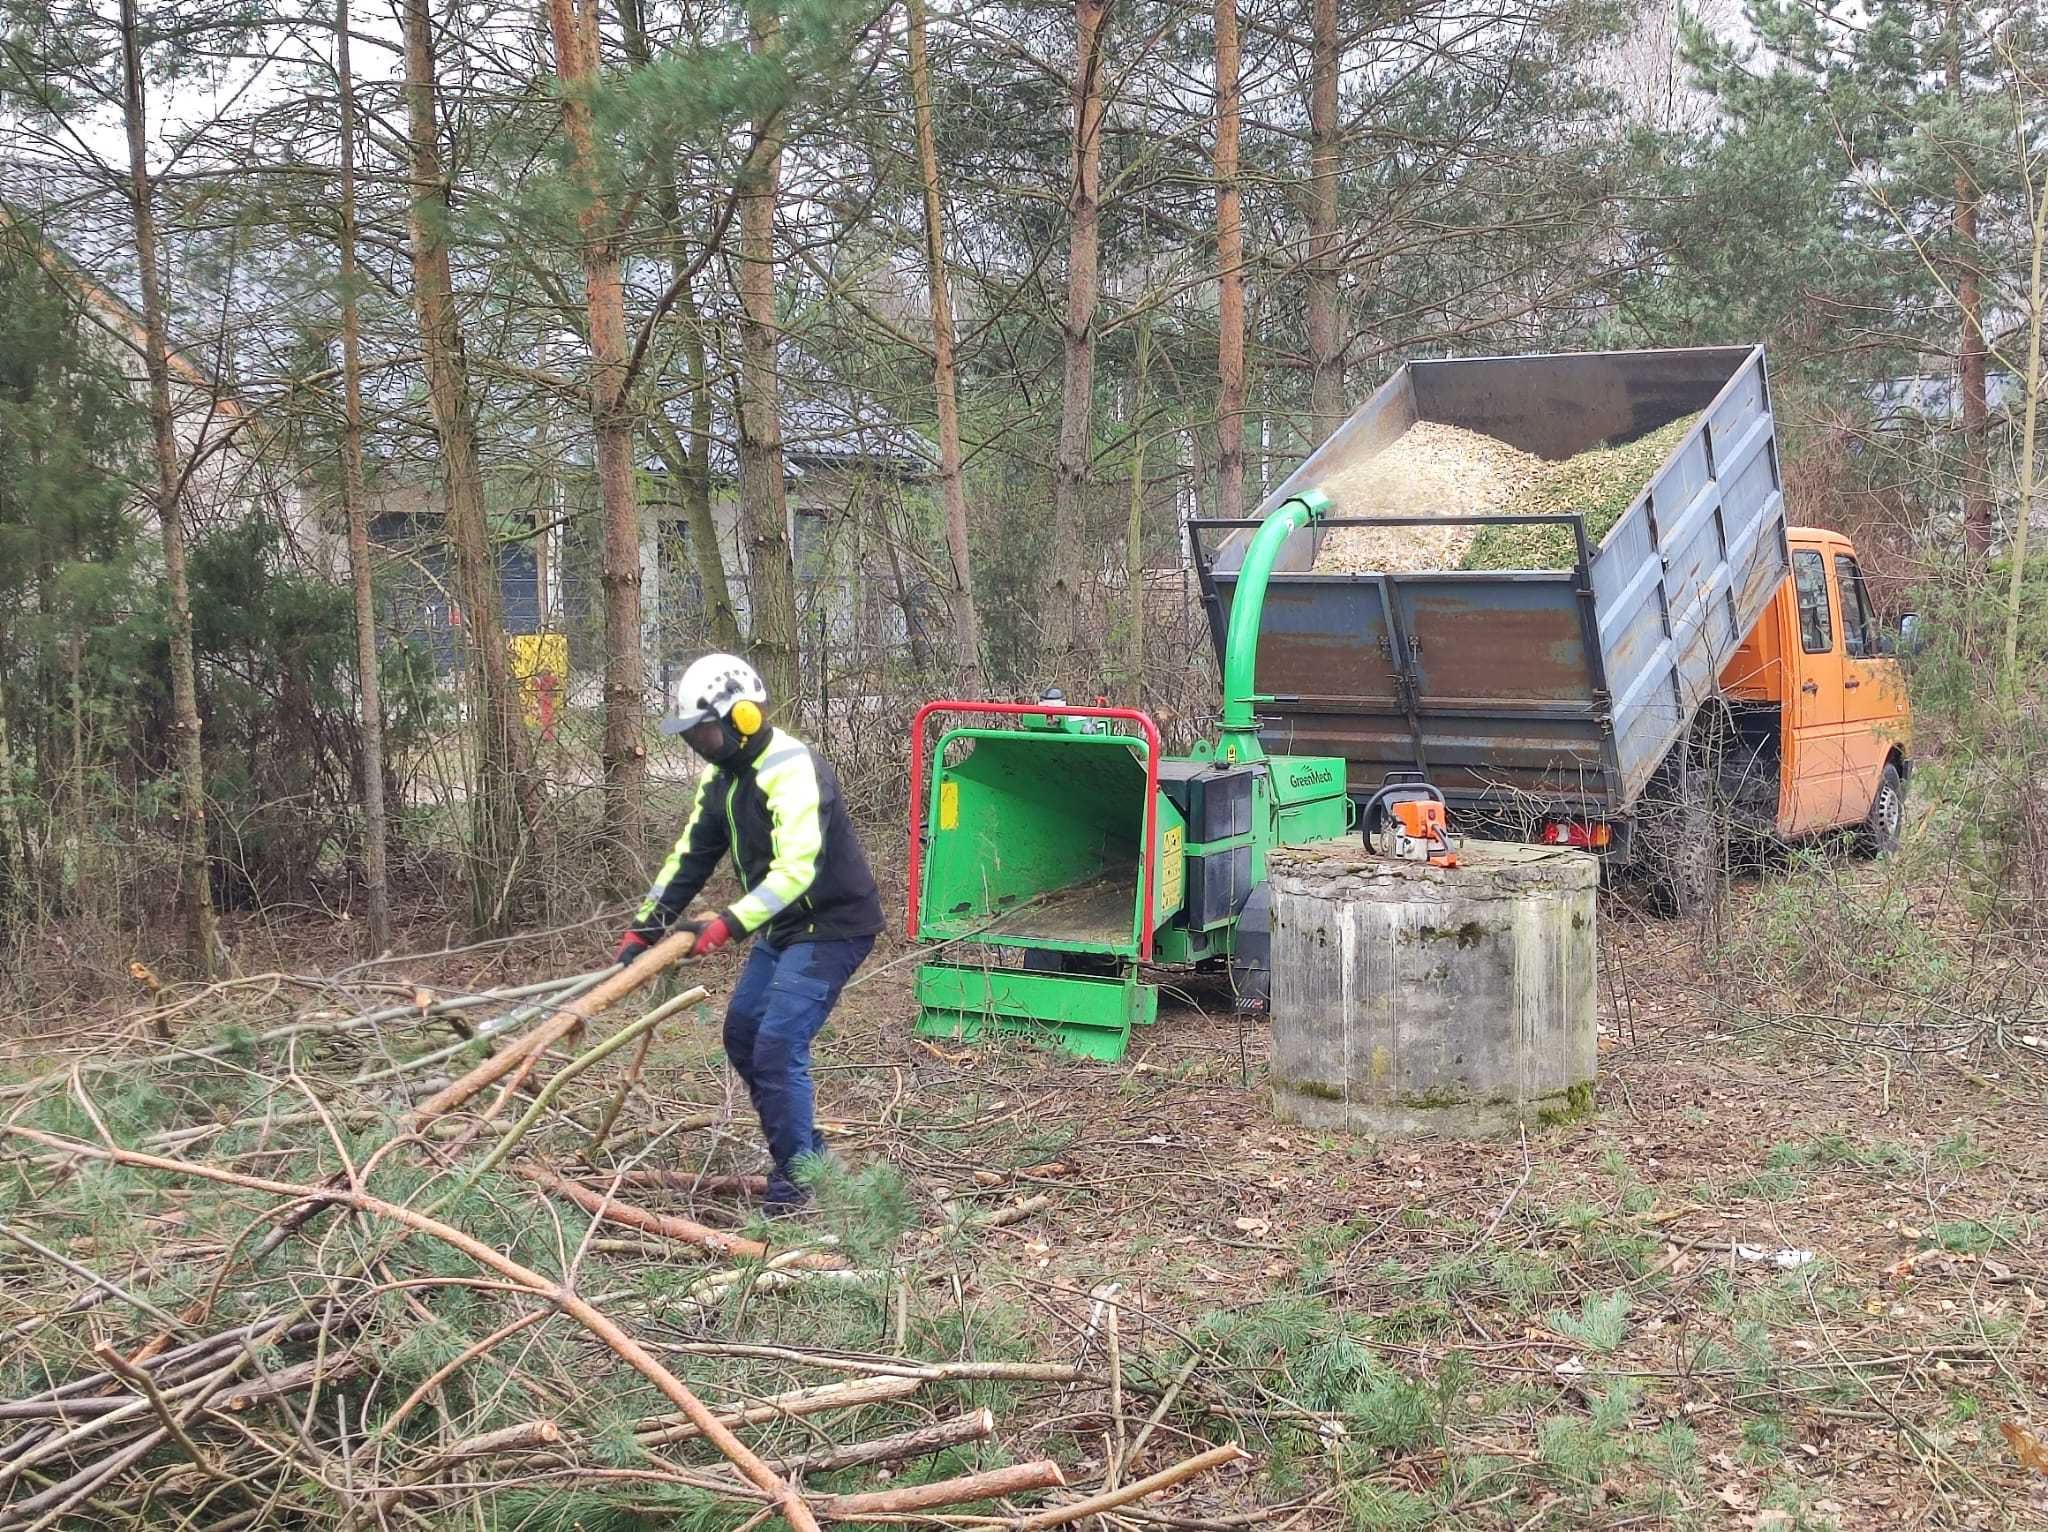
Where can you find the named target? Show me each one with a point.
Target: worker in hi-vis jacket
(772, 802)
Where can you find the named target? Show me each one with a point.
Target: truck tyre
(1880, 833)
(1681, 834)
(1684, 856)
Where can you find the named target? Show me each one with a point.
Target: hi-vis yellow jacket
(776, 808)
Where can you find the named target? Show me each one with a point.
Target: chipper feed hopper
(1066, 832)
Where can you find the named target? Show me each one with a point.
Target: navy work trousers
(779, 1005)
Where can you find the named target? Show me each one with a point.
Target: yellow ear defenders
(746, 717)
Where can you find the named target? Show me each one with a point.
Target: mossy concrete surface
(1415, 999)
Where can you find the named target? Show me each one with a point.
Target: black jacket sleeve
(690, 864)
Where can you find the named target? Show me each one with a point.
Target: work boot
(784, 1197)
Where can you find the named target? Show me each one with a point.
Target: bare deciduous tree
(195, 890)
(1069, 553)
(1970, 361)
(1229, 270)
(1325, 348)
(945, 389)
(356, 512)
(507, 805)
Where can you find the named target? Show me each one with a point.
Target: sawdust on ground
(1431, 469)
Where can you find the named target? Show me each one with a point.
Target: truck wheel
(1685, 863)
(1880, 833)
(1681, 837)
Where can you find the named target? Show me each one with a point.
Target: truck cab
(1818, 705)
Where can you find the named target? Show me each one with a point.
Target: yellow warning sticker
(949, 805)
(1172, 868)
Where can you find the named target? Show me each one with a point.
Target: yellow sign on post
(540, 663)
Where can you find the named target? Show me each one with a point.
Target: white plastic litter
(1784, 1260)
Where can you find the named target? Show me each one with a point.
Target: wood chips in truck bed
(1431, 469)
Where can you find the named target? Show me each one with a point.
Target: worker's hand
(631, 945)
(711, 934)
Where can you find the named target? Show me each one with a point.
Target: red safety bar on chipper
(1043, 709)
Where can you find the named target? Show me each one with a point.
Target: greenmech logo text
(1314, 776)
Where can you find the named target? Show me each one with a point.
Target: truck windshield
(1858, 635)
(1816, 629)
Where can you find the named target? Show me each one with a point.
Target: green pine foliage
(1601, 1324)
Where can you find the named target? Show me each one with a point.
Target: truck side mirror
(1909, 633)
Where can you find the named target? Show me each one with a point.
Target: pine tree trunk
(764, 504)
(953, 491)
(1325, 347)
(355, 508)
(195, 892)
(574, 25)
(506, 797)
(1976, 413)
(1229, 271)
(1063, 614)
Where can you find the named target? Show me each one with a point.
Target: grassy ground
(1788, 1273)
(1781, 1278)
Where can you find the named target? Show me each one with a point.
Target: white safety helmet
(719, 686)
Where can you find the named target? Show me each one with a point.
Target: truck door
(1813, 702)
(1870, 697)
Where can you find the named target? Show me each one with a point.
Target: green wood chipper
(1068, 833)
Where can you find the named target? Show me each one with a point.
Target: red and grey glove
(711, 934)
(631, 945)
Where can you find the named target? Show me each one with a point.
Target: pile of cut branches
(390, 1258)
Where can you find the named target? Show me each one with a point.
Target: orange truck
(1700, 668)
(1817, 703)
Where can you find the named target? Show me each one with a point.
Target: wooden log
(668, 1225)
(1166, 1478)
(685, 1181)
(896, 1367)
(290, 1380)
(564, 1023)
(975, 1426)
(508, 1441)
(665, 1430)
(995, 1484)
(1017, 1212)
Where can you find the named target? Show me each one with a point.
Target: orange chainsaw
(1407, 820)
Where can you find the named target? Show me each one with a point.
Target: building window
(812, 544)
